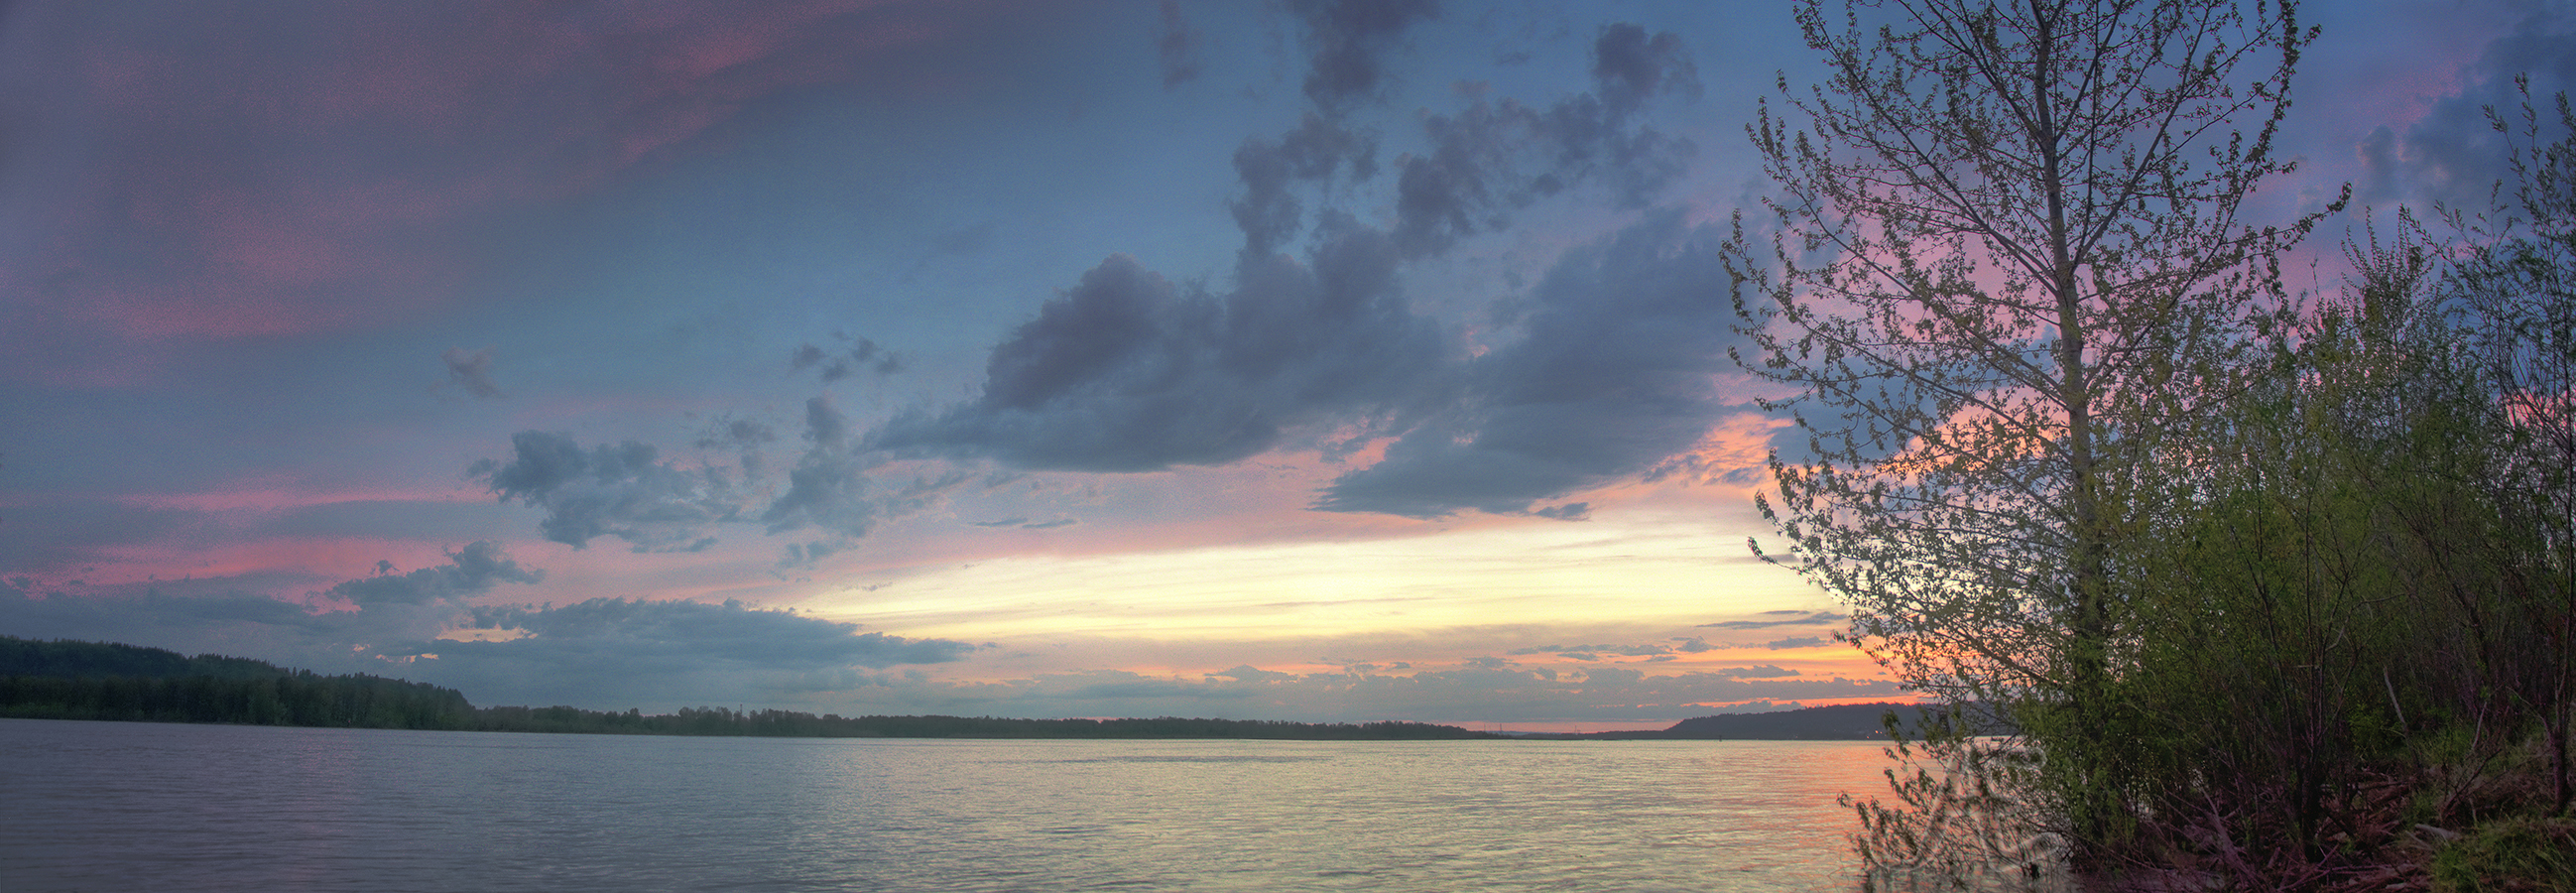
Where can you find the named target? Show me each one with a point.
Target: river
(94, 806)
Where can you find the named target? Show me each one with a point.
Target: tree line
(2277, 587)
(795, 724)
(61, 679)
(105, 681)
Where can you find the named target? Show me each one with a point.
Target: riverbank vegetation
(2278, 588)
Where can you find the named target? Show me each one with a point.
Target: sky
(1305, 360)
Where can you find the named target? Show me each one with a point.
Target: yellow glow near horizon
(1644, 567)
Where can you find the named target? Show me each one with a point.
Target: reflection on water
(131, 806)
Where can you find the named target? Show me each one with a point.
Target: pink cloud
(269, 495)
(234, 174)
(319, 558)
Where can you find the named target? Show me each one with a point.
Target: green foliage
(1962, 818)
(2270, 585)
(2007, 279)
(2517, 855)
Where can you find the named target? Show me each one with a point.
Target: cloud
(1794, 642)
(1176, 44)
(1317, 149)
(832, 487)
(1780, 618)
(862, 355)
(471, 371)
(231, 615)
(82, 531)
(1614, 375)
(665, 653)
(1495, 157)
(470, 571)
(653, 631)
(1127, 372)
(1593, 652)
(737, 434)
(213, 171)
(1632, 66)
(1249, 673)
(1483, 690)
(1348, 37)
(625, 491)
(1025, 524)
(630, 492)
(189, 614)
(2452, 155)
(1483, 161)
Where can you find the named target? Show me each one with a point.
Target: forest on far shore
(63, 679)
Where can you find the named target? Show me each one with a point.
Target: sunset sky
(1328, 361)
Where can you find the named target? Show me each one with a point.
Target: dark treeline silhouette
(105, 681)
(90, 680)
(794, 724)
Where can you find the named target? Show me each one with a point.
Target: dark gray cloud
(229, 615)
(626, 491)
(861, 355)
(1176, 44)
(664, 654)
(1347, 38)
(1493, 158)
(832, 487)
(471, 371)
(470, 571)
(1128, 372)
(1613, 377)
(79, 531)
(195, 615)
(836, 494)
(737, 434)
(1024, 523)
(1632, 66)
(1795, 642)
(1761, 671)
(2452, 155)
(1780, 618)
(630, 492)
(1317, 150)
(694, 632)
(1594, 652)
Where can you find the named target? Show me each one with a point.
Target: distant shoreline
(103, 681)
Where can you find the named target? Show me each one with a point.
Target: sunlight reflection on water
(132, 806)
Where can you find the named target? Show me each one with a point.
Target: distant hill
(1841, 722)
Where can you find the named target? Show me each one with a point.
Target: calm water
(138, 806)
